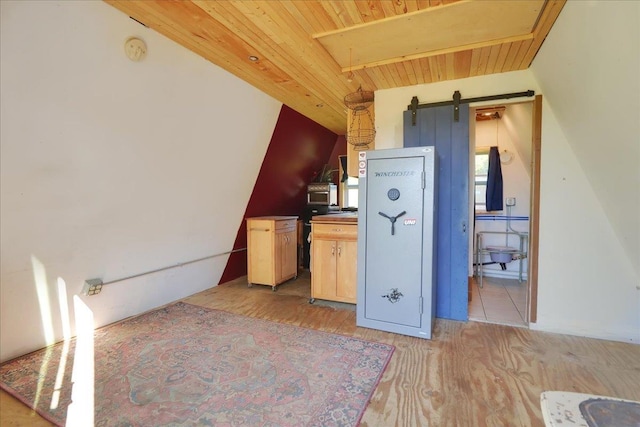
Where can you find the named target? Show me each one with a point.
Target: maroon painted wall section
(298, 150)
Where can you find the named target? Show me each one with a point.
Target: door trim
(534, 222)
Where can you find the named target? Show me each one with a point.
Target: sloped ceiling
(310, 54)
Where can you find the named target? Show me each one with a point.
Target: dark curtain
(494, 181)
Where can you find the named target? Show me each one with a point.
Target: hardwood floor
(469, 374)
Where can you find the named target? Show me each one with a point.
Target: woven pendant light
(361, 131)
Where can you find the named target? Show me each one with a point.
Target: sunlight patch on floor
(66, 333)
(81, 411)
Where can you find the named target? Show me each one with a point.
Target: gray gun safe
(396, 240)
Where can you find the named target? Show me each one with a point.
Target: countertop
(275, 217)
(338, 217)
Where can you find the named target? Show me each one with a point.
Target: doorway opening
(500, 243)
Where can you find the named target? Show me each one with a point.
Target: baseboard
(627, 336)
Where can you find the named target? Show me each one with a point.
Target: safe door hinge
(421, 301)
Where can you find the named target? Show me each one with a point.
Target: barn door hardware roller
(457, 100)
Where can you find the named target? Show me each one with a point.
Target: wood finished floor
(469, 374)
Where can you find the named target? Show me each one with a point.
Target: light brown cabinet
(272, 255)
(334, 255)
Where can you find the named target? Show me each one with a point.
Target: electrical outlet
(511, 201)
(92, 287)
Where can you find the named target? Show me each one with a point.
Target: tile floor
(499, 301)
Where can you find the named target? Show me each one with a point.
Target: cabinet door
(323, 269)
(260, 255)
(288, 256)
(279, 252)
(292, 251)
(347, 260)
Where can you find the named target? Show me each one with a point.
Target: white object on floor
(501, 254)
(562, 408)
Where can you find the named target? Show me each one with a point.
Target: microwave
(322, 194)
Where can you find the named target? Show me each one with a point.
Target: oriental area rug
(184, 365)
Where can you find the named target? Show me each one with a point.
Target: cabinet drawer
(286, 224)
(335, 231)
(259, 225)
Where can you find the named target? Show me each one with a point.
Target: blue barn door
(435, 127)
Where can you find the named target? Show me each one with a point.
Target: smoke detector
(135, 48)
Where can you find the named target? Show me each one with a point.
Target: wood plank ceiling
(423, 41)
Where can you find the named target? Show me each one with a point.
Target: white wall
(518, 124)
(111, 168)
(592, 175)
(587, 284)
(592, 78)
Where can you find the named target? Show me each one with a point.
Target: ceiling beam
(445, 51)
(432, 31)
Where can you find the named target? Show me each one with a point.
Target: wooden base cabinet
(334, 254)
(272, 255)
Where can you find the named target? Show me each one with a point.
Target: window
(351, 193)
(481, 173)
